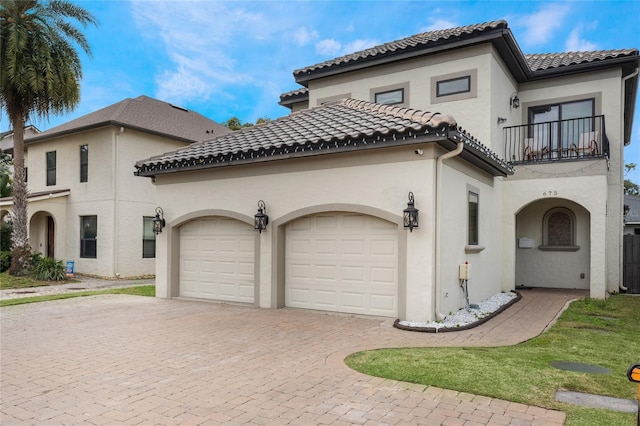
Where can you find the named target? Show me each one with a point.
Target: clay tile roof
(544, 61)
(345, 125)
(417, 41)
(145, 114)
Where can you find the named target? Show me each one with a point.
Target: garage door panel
(340, 261)
(353, 301)
(217, 260)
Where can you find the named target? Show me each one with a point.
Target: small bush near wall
(48, 269)
(5, 260)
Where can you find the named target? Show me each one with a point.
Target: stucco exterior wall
(374, 183)
(580, 190)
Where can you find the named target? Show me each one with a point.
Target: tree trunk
(20, 251)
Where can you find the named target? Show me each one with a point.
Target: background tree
(40, 74)
(630, 188)
(234, 123)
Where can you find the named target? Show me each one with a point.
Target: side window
(88, 236)
(455, 86)
(84, 163)
(148, 238)
(558, 228)
(392, 97)
(51, 168)
(473, 223)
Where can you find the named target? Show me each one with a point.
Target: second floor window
(84, 163)
(558, 127)
(51, 168)
(391, 97)
(453, 86)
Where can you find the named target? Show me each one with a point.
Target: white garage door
(216, 260)
(342, 262)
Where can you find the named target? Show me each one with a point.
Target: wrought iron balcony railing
(562, 140)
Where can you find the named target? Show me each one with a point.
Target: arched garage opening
(553, 245)
(342, 261)
(217, 259)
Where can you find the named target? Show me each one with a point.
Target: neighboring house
(6, 138)
(85, 204)
(530, 196)
(631, 214)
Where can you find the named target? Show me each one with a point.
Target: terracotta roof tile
(348, 124)
(544, 61)
(416, 41)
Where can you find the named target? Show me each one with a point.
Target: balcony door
(558, 126)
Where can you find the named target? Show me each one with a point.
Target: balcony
(563, 140)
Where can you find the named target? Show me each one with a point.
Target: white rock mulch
(466, 316)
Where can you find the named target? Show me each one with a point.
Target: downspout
(622, 97)
(116, 205)
(436, 285)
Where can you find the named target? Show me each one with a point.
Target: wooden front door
(51, 233)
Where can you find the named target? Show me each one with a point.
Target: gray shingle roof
(345, 125)
(633, 217)
(145, 114)
(418, 41)
(544, 61)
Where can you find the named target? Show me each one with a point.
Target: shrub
(5, 260)
(49, 269)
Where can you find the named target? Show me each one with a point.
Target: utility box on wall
(464, 271)
(525, 243)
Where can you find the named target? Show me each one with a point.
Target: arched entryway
(553, 245)
(42, 233)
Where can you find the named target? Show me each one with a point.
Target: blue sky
(234, 58)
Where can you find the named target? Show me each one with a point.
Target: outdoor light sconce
(261, 219)
(158, 221)
(501, 120)
(410, 215)
(514, 101)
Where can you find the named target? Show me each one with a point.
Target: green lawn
(604, 333)
(10, 282)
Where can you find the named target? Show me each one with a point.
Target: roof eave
(410, 53)
(108, 123)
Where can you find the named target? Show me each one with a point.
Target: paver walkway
(132, 360)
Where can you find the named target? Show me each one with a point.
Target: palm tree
(40, 75)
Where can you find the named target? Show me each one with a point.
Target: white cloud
(541, 26)
(328, 47)
(303, 36)
(438, 24)
(576, 44)
(358, 45)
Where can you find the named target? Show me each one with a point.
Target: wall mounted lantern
(158, 221)
(514, 101)
(501, 120)
(261, 219)
(410, 215)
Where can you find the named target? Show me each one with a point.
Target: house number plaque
(550, 193)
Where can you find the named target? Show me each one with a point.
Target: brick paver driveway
(135, 360)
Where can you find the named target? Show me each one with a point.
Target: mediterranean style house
(85, 204)
(402, 171)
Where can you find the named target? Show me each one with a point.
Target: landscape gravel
(467, 316)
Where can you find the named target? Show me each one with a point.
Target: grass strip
(143, 290)
(604, 333)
